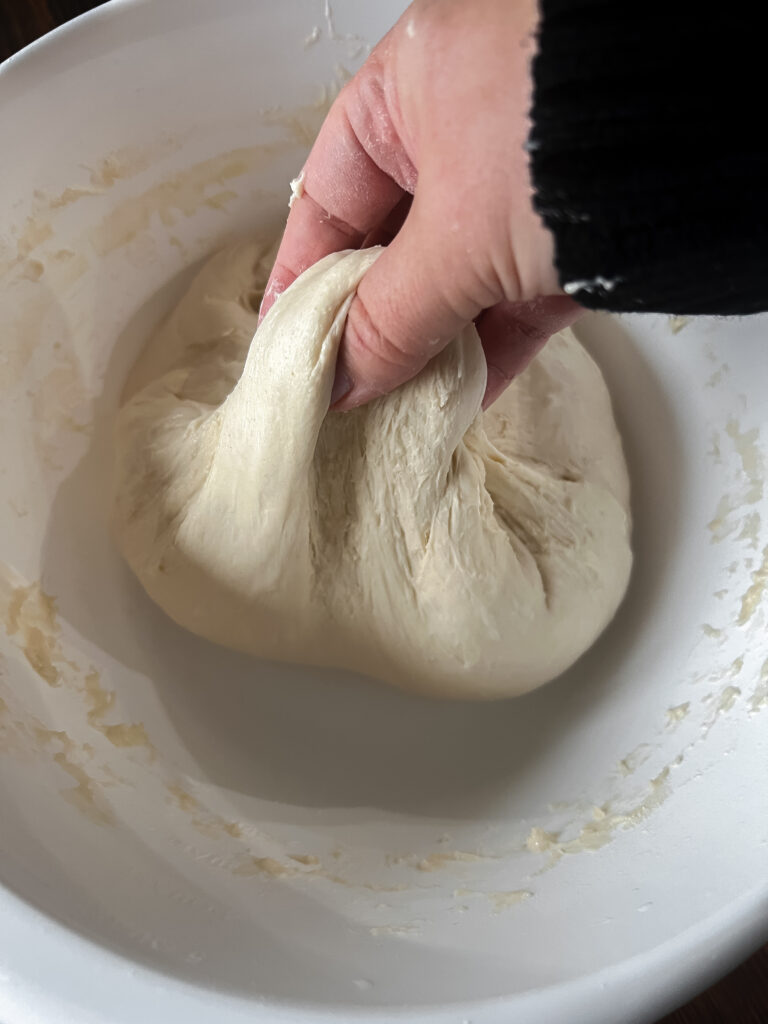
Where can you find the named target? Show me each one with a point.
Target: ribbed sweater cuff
(649, 155)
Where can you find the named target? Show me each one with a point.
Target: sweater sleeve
(649, 153)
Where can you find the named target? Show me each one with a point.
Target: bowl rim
(44, 964)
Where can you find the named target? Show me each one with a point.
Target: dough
(417, 540)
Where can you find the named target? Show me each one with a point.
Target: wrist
(533, 241)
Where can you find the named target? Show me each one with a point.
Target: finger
(407, 308)
(345, 193)
(512, 333)
(385, 232)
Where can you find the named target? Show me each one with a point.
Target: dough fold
(417, 540)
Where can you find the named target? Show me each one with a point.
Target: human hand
(424, 149)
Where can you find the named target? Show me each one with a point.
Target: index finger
(344, 193)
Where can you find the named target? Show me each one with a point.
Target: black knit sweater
(649, 153)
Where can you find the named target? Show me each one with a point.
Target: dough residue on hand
(417, 540)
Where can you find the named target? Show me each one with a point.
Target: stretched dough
(418, 540)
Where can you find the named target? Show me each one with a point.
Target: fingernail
(342, 385)
(271, 294)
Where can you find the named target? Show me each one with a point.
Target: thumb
(408, 306)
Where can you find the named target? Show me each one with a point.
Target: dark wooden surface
(741, 997)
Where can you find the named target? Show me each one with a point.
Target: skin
(424, 151)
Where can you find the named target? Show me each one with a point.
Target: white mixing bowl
(188, 835)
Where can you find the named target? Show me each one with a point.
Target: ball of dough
(417, 540)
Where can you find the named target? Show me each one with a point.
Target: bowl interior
(309, 837)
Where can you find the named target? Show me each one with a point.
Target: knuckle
(384, 354)
(532, 332)
(373, 116)
(347, 231)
